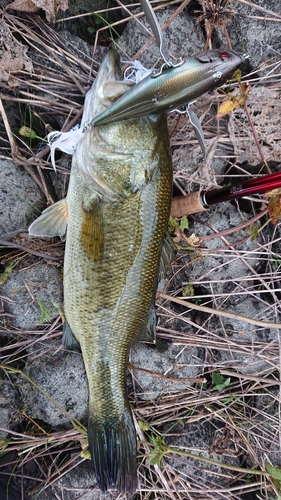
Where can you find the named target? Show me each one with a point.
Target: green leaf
(155, 458)
(5, 275)
(157, 453)
(253, 231)
(81, 429)
(173, 224)
(144, 426)
(45, 316)
(4, 443)
(275, 472)
(217, 378)
(219, 381)
(86, 454)
(183, 223)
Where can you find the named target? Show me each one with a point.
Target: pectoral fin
(69, 342)
(52, 221)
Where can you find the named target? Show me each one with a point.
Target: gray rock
(246, 349)
(78, 483)
(8, 408)
(176, 363)
(197, 438)
(182, 37)
(81, 481)
(61, 378)
(19, 198)
(28, 287)
(256, 37)
(221, 268)
(263, 421)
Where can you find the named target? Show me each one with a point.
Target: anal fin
(69, 342)
(149, 335)
(167, 256)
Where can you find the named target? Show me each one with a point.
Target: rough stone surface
(176, 363)
(215, 266)
(251, 338)
(27, 286)
(182, 38)
(251, 34)
(197, 437)
(8, 413)
(19, 198)
(59, 390)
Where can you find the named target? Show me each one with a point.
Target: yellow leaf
(226, 107)
(274, 209)
(193, 240)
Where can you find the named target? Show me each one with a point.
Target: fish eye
(224, 56)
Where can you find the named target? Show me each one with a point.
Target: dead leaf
(193, 240)
(23, 6)
(51, 7)
(13, 55)
(226, 107)
(234, 102)
(274, 209)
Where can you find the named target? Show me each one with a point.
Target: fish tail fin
(113, 449)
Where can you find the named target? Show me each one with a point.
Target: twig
(259, 7)
(14, 147)
(256, 139)
(11, 244)
(171, 379)
(218, 312)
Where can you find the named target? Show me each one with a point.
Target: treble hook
(158, 34)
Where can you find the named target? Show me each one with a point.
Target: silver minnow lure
(173, 87)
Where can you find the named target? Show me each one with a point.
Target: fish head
(107, 88)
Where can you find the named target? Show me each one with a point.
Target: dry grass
(236, 417)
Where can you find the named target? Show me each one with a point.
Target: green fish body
(116, 211)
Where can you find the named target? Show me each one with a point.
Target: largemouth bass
(116, 215)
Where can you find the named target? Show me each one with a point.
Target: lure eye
(224, 56)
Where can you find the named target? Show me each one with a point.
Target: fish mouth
(111, 67)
